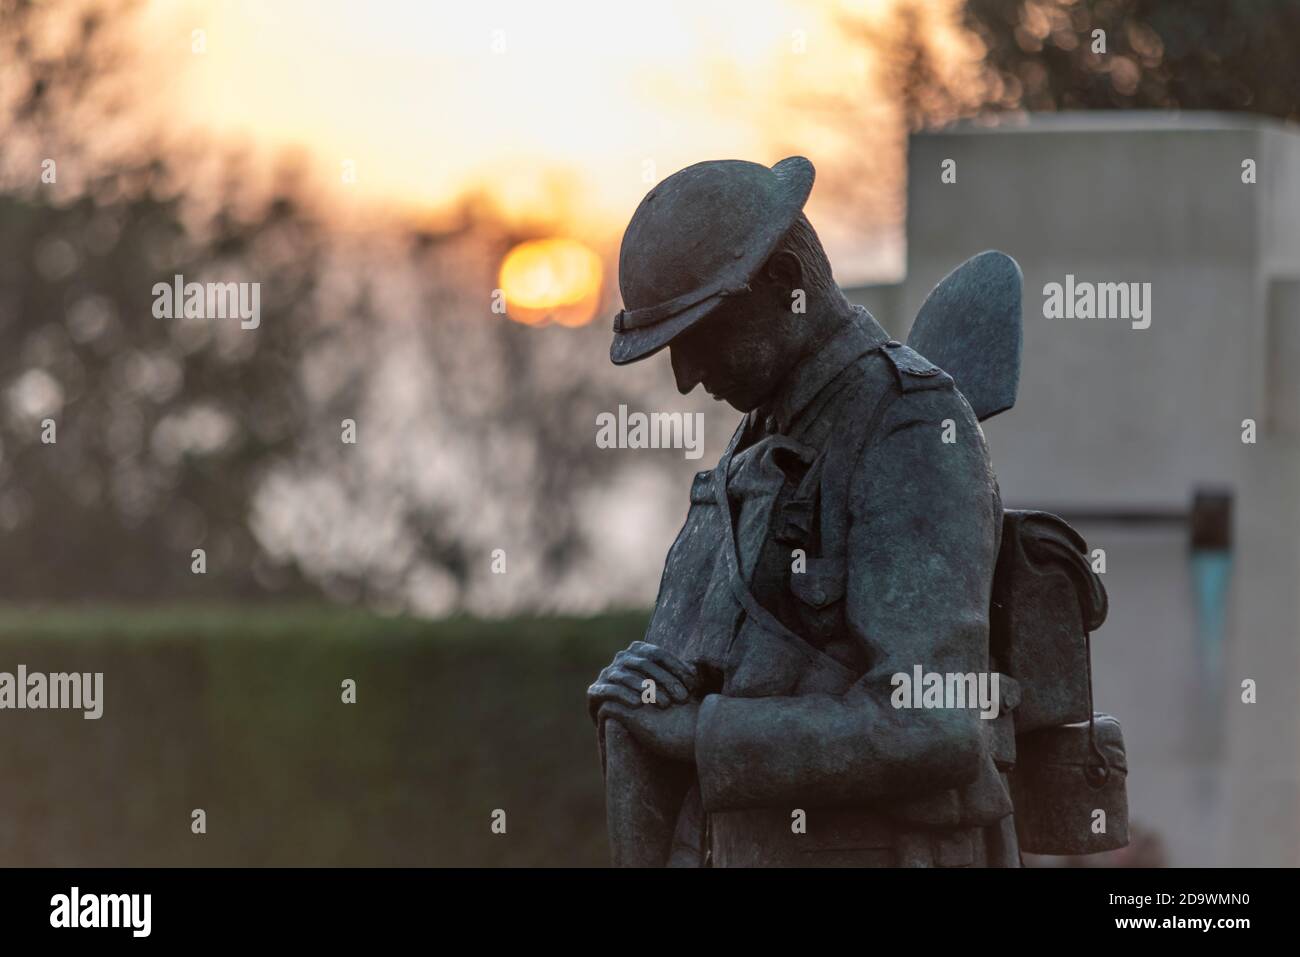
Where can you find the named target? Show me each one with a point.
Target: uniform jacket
(875, 540)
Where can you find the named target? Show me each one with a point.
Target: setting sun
(555, 280)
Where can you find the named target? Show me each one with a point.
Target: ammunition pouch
(1069, 788)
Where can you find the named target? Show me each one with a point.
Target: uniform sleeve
(922, 543)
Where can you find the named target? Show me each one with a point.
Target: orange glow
(562, 119)
(560, 123)
(555, 280)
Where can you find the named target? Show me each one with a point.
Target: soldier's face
(740, 352)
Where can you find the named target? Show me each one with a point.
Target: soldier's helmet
(697, 237)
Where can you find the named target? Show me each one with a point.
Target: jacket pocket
(821, 584)
(820, 591)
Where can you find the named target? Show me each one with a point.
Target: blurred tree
(161, 426)
(920, 67)
(176, 434)
(1160, 54)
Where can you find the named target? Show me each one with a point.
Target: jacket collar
(814, 373)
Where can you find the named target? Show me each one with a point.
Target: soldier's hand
(668, 731)
(625, 680)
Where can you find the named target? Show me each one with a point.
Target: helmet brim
(794, 177)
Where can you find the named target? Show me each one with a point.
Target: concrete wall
(1112, 417)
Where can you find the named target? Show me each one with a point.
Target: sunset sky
(433, 98)
(563, 114)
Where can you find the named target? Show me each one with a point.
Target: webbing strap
(740, 590)
(835, 493)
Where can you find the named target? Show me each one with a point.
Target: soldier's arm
(644, 795)
(921, 552)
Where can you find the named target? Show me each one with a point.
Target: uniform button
(893, 343)
(818, 596)
(771, 424)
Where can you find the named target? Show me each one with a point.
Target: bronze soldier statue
(849, 534)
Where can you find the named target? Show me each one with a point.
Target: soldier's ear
(784, 270)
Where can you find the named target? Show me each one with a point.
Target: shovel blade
(970, 327)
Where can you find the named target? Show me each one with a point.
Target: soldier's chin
(737, 402)
(733, 397)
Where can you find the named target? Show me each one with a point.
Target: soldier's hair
(801, 240)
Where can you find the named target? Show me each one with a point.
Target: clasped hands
(661, 716)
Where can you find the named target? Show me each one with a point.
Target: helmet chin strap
(653, 315)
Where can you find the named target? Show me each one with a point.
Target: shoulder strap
(844, 457)
(913, 370)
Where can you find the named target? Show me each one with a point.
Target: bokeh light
(551, 280)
